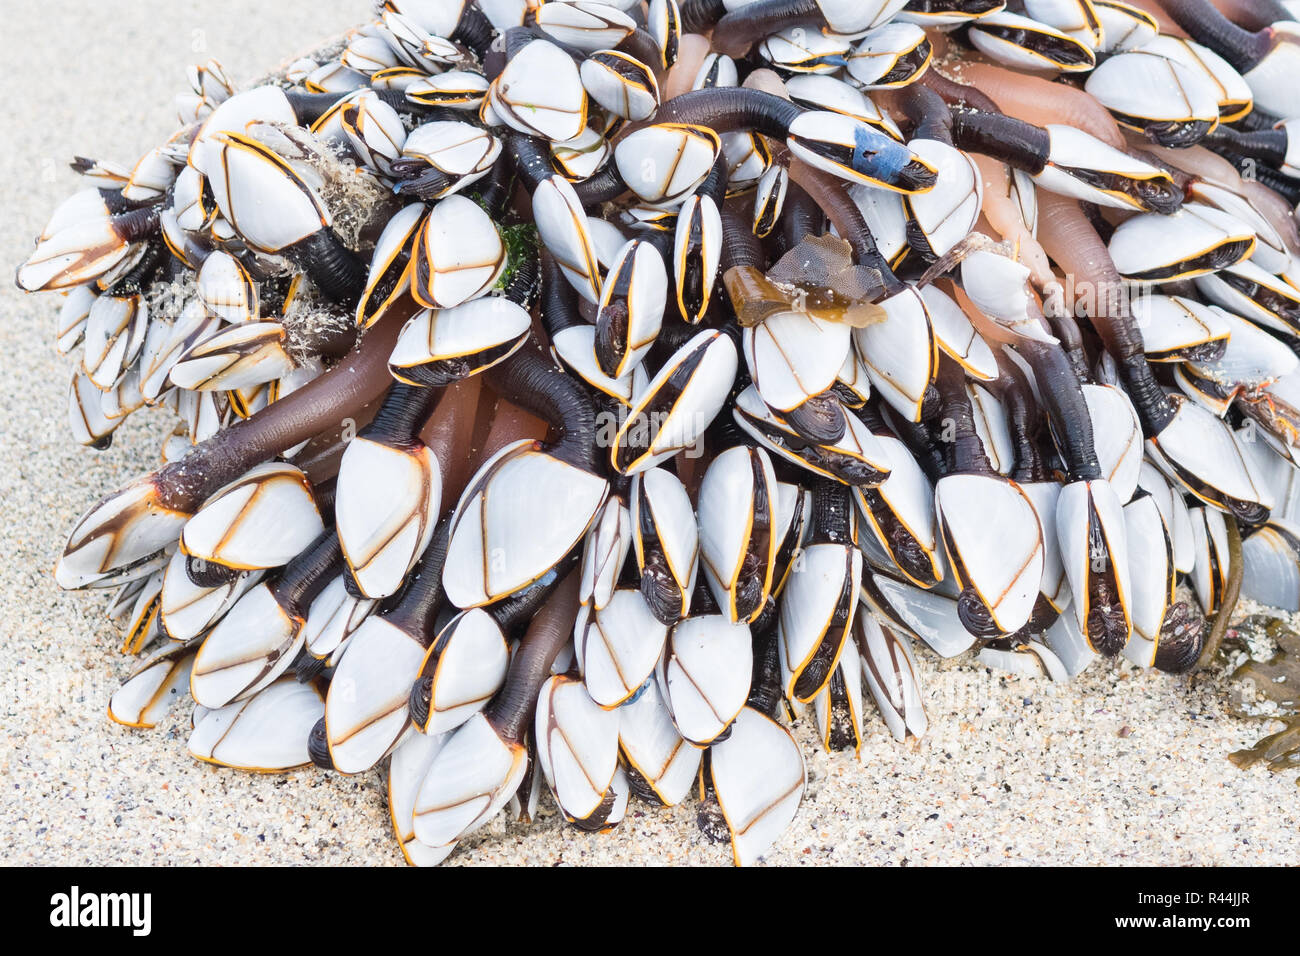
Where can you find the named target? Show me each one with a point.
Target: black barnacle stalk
(496, 191)
(832, 513)
(933, 457)
(966, 455)
(1106, 625)
(740, 247)
(143, 273)
(512, 613)
(474, 31)
(534, 384)
(699, 16)
(131, 222)
(966, 8)
(930, 116)
(1267, 146)
(765, 681)
(530, 157)
(525, 278)
(737, 31)
(606, 186)
(1288, 187)
(516, 38)
(337, 271)
(1242, 48)
(850, 148)
(732, 108)
(1062, 395)
(431, 567)
(511, 711)
(558, 303)
(304, 577)
(800, 216)
(1066, 328)
(208, 574)
(1023, 419)
(309, 107)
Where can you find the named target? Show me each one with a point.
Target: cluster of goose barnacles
(595, 387)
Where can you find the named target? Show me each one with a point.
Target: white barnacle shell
(758, 775)
(540, 93)
(994, 543)
(265, 732)
(585, 25)
(260, 520)
(665, 162)
(521, 512)
(466, 666)
(366, 709)
(458, 254)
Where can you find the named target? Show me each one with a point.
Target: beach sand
(1120, 766)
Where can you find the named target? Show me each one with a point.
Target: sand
(1120, 766)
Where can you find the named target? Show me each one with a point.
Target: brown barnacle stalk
(1039, 100)
(449, 432)
(340, 393)
(511, 711)
(1231, 593)
(1070, 239)
(130, 525)
(957, 94)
